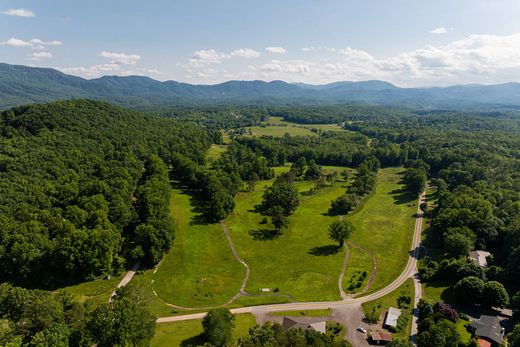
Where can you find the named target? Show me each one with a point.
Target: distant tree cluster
(362, 185)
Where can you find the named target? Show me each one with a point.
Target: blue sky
(407, 42)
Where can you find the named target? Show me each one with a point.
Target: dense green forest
(81, 180)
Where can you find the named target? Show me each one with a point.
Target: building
(305, 324)
(380, 338)
(488, 329)
(479, 257)
(391, 318)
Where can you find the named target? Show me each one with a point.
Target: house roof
(295, 323)
(392, 316)
(488, 327)
(479, 257)
(381, 336)
(484, 343)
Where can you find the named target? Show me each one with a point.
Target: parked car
(362, 330)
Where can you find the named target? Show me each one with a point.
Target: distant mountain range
(22, 85)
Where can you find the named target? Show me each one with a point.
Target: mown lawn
(200, 269)
(384, 225)
(97, 291)
(382, 304)
(302, 261)
(189, 333)
(359, 268)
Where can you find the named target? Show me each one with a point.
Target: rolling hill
(23, 85)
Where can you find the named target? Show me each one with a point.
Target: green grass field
(382, 304)
(384, 225)
(359, 263)
(214, 152)
(463, 328)
(188, 333)
(96, 291)
(199, 270)
(276, 126)
(302, 261)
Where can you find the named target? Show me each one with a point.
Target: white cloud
(205, 57)
(46, 43)
(299, 66)
(245, 53)
(308, 49)
(279, 50)
(33, 43)
(120, 58)
(440, 30)
(40, 55)
(19, 12)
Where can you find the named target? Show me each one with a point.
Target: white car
(362, 330)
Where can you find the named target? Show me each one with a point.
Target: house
(479, 257)
(488, 329)
(380, 338)
(305, 324)
(391, 318)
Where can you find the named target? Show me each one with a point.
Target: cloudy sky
(406, 42)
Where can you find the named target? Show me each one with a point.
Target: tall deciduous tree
(340, 231)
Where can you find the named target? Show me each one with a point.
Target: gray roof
(489, 327)
(392, 316)
(479, 257)
(295, 323)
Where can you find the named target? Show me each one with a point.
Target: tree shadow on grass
(194, 341)
(264, 234)
(324, 250)
(402, 196)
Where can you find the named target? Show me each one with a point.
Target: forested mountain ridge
(23, 85)
(84, 188)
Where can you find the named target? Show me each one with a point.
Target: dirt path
(373, 274)
(128, 277)
(241, 291)
(344, 269)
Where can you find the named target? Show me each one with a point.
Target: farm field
(188, 333)
(384, 226)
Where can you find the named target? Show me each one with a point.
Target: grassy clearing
(438, 291)
(301, 262)
(97, 291)
(463, 328)
(359, 268)
(189, 333)
(380, 305)
(199, 270)
(214, 152)
(384, 225)
(276, 126)
(304, 313)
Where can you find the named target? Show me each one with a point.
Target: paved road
(416, 278)
(408, 272)
(128, 277)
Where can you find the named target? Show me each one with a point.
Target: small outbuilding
(391, 318)
(380, 338)
(479, 258)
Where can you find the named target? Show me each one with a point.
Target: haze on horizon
(404, 42)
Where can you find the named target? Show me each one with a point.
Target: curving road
(408, 272)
